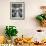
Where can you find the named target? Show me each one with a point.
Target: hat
(42, 7)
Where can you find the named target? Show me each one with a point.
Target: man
(42, 16)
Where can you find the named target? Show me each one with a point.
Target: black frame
(18, 5)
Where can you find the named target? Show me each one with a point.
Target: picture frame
(17, 10)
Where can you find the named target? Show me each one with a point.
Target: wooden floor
(30, 45)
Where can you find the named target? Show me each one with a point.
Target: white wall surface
(27, 26)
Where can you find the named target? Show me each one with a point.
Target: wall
(27, 26)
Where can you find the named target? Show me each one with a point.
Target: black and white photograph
(17, 10)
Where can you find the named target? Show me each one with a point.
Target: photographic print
(17, 10)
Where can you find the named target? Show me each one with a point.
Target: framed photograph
(17, 10)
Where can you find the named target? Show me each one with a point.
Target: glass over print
(17, 10)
